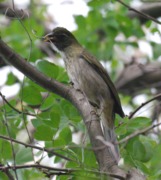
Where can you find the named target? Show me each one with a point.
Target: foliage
(49, 120)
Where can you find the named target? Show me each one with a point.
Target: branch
(104, 158)
(38, 166)
(31, 72)
(139, 12)
(136, 77)
(57, 171)
(152, 9)
(8, 174)
(20, 112)
(136, 133)
(8, 11)
(35, 147)
(5, 122)
(143, 104)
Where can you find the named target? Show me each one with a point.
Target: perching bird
(89, 76)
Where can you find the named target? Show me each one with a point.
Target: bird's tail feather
(110, 137)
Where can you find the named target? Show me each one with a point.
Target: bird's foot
(94, 104)
(71, 83)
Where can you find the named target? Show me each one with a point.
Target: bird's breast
(86, 79)
(72, 70)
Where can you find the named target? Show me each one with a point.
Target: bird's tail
(111, 142)
(108, 119)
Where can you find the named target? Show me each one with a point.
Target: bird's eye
(63, 36)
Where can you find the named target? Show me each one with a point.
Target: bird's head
(61, 38)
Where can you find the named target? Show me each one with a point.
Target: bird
(89, 76)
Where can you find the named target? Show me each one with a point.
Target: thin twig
(60, 170)
(143, 104)
(138, 132)
(139, 12)
(8, 174)
(22, 85)
(13, 4)
(9, 134)
(35, 147)
(20, 112)
(68, 93)
(38, 166)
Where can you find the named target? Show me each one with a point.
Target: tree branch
(31, 72)
(20, 112)
(138, 132)
(104, 158)
(136, 77)
(139, 12)
(152, 9)
(35, 147)
(57, 171)
(8, 11)
(38, 166)
(143, 104)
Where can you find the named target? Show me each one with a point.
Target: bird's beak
(48, 37)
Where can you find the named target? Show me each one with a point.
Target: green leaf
(137, 123)
(148, 24)
(31, 95)
(6, 150)
(55, 119)
(89, 158)
(2, 174)
(154, 30)
(44, 133)
(156, 51)
(44, 115)
(66, 134)
(138, 150)
(24, 155)
(121, 130)
(47, 103)
(96, 4)
(70, 111)
(142, 167)
(11, 79)
(59, 142)
(155, 163)
(36, 122)
(149, 146)
(48, 68)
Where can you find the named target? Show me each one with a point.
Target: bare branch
(143, 104)
(104, 158)
(138, 132)
(38, 166)
(57, 171)
(136, 77)
(139, 12)
(151, 8)
(31, 72)
(20, 112)
(8, 174)
(11, 142)
(9, 11)
(35, 147)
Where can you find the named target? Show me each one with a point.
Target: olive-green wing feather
(96, 65)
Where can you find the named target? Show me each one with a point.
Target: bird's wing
(97, 66)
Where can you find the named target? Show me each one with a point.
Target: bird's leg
(93, 110)
(93, 104)
(71, 83)
(100, 110)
